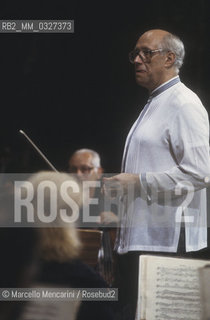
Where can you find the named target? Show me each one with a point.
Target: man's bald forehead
(155, 35)
(152, 38)
(83, 156)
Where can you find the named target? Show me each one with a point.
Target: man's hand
(121, 183)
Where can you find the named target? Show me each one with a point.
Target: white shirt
(169, 149)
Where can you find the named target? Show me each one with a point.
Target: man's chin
(141, 82)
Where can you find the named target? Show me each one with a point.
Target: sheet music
(204, 274)
(169, 288)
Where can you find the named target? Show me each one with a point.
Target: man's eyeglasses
(145, 54)
(83, 169)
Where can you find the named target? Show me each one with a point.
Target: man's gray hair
(173, 43)
(95, 156)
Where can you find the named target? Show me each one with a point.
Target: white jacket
(169, 149)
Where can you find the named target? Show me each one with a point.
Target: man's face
(152, 73)
(82, 165)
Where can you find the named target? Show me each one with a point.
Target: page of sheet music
(172, 289)
(204, 274)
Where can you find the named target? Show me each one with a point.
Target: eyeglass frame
(138, 53)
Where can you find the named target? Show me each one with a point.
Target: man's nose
(138, 59)
(79, 172)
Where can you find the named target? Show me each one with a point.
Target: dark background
(69, 91)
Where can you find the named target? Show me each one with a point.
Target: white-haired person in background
(86, 164)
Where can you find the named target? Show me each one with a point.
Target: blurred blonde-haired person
(59, 248)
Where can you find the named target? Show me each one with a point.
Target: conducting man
(166, 160)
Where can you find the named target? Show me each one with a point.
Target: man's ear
(170, 59)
